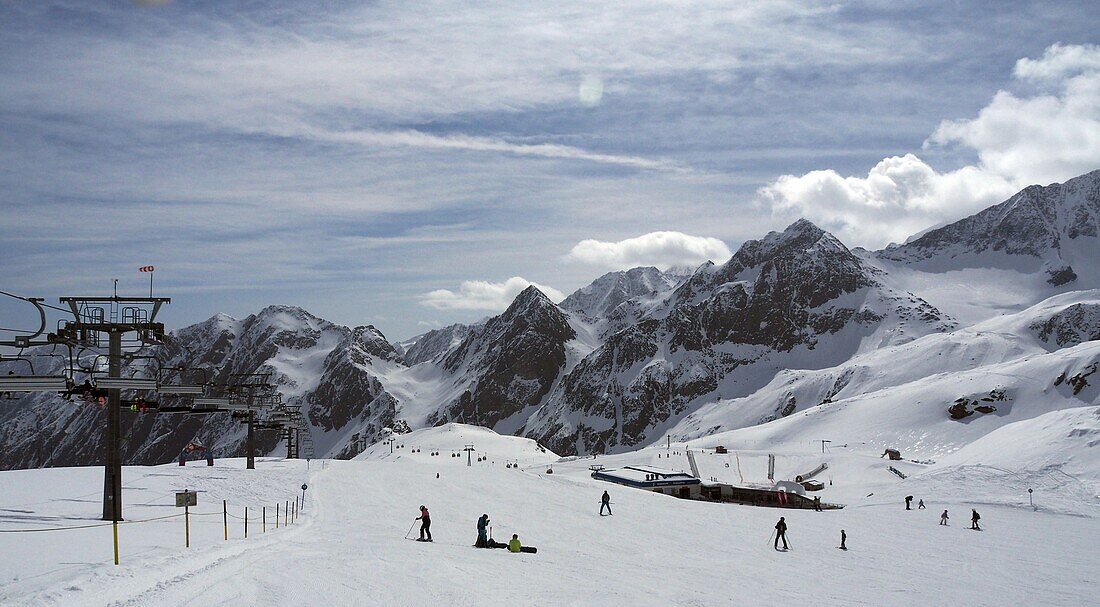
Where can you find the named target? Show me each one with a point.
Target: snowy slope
(451, 439)
(349, 547)
(901, 396)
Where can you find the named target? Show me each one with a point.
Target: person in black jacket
(605, 502)
(781, 533)
(974, 520)
(482, 531)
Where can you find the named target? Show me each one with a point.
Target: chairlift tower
(116, 316)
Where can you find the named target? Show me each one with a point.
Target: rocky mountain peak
(600, 298)
(1054, 229)
(373, 342)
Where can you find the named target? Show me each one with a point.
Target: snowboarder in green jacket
(514, 545)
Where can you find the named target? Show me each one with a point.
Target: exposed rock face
(964, 407)
(790, 290)
(1073, 325)
(509, 363)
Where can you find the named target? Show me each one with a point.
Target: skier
(817, 503)
(605, 502)
(920, 505)
(943, 518)
(482, 530)
(425, 524)
(908, 500)
(514, 545)
(781, 533)
(843, 537)
(974, 521)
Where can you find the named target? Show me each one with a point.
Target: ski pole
(771, 536)
(410, 529)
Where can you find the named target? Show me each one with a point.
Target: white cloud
(484, 295)
(418, 139)
(660, 249)
(899, 196)
(1051, 136)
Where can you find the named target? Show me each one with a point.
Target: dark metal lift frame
(148, 330)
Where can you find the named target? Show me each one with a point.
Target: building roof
(646, 476)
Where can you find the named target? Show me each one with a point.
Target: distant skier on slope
(974, 520)
(920, 505)
(514, 545)
(605, 502)
(482, 531)
(781, 533)
(425, 524)
(943, 518)
(843, 538)
(908, 501)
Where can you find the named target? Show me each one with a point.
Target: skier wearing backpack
(605, 502)
(908, 501)
(781, 533)
(943, 518)
(482, 531)
(974, 520)
(425, 524)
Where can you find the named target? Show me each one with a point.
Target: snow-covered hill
(937, 396)
(350, 545)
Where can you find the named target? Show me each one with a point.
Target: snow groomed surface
(349, 546)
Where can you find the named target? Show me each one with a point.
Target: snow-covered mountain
(600, 299)
(1040, 242)
(796, 298)
(330, 370)
(768, 342)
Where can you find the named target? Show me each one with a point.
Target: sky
(411, 165)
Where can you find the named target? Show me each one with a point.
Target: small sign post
(185, 499)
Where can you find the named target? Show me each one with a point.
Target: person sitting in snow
(943, 518)
(482, 531)
(974, 520)
(920, 505)
(514, 545)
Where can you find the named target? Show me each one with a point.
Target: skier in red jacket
(425, 524)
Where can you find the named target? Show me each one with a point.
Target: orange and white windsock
(146, 269)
